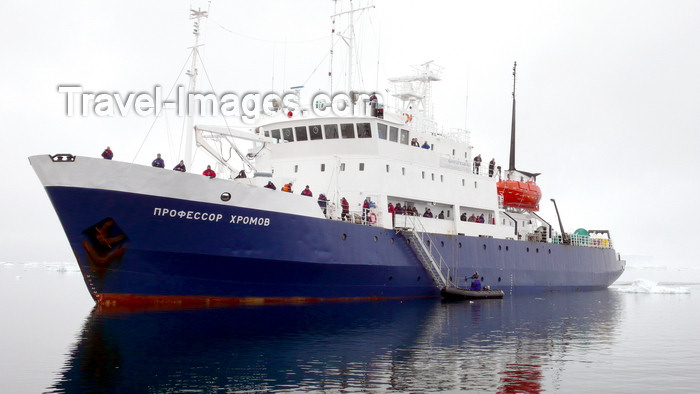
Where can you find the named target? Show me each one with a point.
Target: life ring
(408, 117)
(372, 218)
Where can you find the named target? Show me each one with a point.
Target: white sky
(608, 95)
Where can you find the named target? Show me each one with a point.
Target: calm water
(638, 336)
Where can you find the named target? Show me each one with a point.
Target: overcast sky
(608, 95)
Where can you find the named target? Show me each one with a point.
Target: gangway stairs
(423, 247)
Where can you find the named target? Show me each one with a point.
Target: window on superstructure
(331, 131)
(287, 134)
(387, 168)
(422, 174)
(393, 134)
(342, 166)
(315, 132)
(442, 178)
(404, 137)
(432, 176)
(362, 166)
(267, 133)
(323, 167)
(296, 168)
(381, 130)
(453, 152)
(347, 130)
(475, 184)
(364, 130)
(276, 134)
(301, 134)
(403, 170)
(463, 182)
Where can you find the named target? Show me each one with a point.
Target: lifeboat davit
(516, 194)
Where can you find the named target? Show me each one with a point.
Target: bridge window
(381, 127)
(267, 133)
(323, 167)
(276, 134)
(347, 130)
(364, 130)
(315, 132)
(422, 174)
(387, 168)
(403, 171)
(287, 134)
(296, 168)
(342, 166)
(362, 166)
(404, 137)
(393, 134)
(300, 131)
(331, 131)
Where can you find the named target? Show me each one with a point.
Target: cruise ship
(399, 208)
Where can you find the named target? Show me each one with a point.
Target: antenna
(192, 72)
(511, 165)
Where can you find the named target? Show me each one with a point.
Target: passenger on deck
(373, 104)
(307, 192)
(399, 209)
(271, 185)
(365, 209)
(107, 154)
(481, 219)
(241, 174)
(158, 162)
(391, 210)
(427, 213)
(287, 187)
(472, 218)
(414, 142)
(441, 215)
(209, 172)
(463, 217)
(345, 206)
(426, 145)
(322, 202)
(477, 164)
(180, 166)
(492, 165)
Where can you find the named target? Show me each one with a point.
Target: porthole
(460, 245)
(375, 238)
(391, 277)
(418, 280)
(442, 244)
(507, 248)
(537, 250)
(392, 240)
(484, 246)
(225, 196)
(345, 236)
(528, 250)
(499, 278)
(428, 242)
(408, 241)
(499, 247)
(549, 251)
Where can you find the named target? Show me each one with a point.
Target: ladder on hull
(423, 247)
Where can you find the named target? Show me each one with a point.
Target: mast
(349, 39)
(192, 73)
(511, 165)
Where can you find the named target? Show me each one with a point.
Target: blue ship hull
(131, 248)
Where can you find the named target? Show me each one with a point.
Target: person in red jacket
(346, 209)
(107, 154)
(209, 172)
(307, 192)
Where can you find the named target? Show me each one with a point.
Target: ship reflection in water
(519, 344)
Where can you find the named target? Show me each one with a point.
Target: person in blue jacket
(158, 162)
(476, 283)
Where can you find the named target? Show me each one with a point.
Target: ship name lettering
(250, 220)
(190, 215)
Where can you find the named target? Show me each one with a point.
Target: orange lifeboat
(525, 195)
